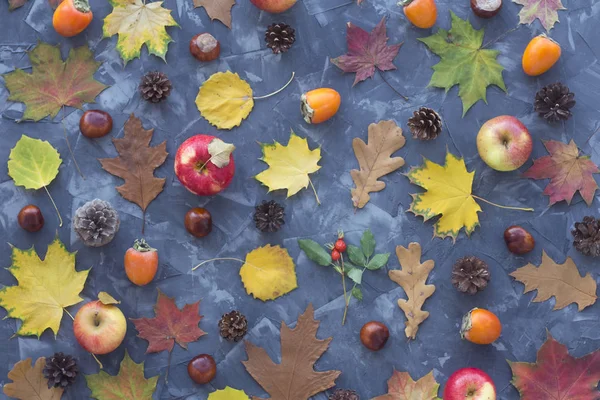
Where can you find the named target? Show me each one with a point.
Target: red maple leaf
(557, 375)
(367, 51)
(170, 325)
(568, 172)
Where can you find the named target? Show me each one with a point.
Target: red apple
(99, 328)
(274, 6)
(504, 143)
(470, 384)
(204, 164)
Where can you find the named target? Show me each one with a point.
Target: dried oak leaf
(402, 387)
(559, 280)
(217, 9)
(413, 277)
(136, 164)
(556, 375)
(568, 172)
(170, 325)
(544, 10)
(374, 159)
(294, 378)
(29, 383)
(54, 83)
(367, 51)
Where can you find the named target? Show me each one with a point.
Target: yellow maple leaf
(228, 394)
(289, 165)
(268, 272)
(46, 287)
(138, 23)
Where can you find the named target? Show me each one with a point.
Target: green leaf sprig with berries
(359, 260)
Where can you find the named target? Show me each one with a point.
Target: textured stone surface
(320, 26)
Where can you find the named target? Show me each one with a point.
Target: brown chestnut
(205, 47)
(198, 222)
(486, 8)
(30, 218)
(374, 335)
(518, 240)
(202, 369)
(95, 124)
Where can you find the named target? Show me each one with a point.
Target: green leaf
(315, 252)
(378, 261)
(464, 63)
(367, 243)
(33, 163)
(356, 275)
(356, 256)
(357, 293)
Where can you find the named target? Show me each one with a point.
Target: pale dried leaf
(220, 152)
(401, 386)
(29, 383)
(107, 299)
(217, 9)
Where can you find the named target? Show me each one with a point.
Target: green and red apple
(274, 6)
(504, 143)
(99, 328)
(470, 384)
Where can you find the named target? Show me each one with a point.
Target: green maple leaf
(464, 62)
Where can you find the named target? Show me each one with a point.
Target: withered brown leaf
(412, 278)
(217, 9)
(136, 164)
(562, 281)
(294, 378)
(29, 382)
(374, 159)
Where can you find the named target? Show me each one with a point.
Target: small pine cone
(470, 275)
(425, 124)
(280, 37)
(60, 370)
(587, 236)
(554, 102)
(233, 326)
(269, 216)
(343, 394)
(96, 222)
(155, 87)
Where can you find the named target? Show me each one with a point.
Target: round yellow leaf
(228, 394)
(269, 272)
(225, 100)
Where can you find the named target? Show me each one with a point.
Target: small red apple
(204, 164)
(470, 384)
(274, 6)
(99, 328)
(504, 143)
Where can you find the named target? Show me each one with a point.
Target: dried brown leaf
(401, 386)
(217, 9)
(412, 278)
(562, 281)
(374, 159)
(29, 383)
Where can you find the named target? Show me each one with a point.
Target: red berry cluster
(338, 248)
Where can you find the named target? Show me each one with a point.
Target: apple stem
(221, 259)
(60, 221)
(277, 91)
(499, 206)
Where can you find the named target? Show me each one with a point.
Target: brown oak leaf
(374, 159)
(29, 383)
(217, 9)
(413, 277)
(562, 281)
(402, 387)
(294, 378)
(136, 164)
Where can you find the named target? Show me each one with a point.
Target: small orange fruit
(540, 55)
(480, 326)
(319, 105)
(421, 13)
(141, 263)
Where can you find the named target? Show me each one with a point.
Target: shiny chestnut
(204, 47)
(30, 218)
(518, 240)
(198, 222)
(95, 124)
(374, 335)
(202, 369)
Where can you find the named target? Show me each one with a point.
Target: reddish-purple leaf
(367, 51)
(556, 375)
(544, 10)
(568, 172)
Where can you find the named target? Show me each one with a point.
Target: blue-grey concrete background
(321, 33)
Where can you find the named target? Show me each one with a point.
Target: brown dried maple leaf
(412, 278)
(402, 387)
(136, 164)
(29, 383)
(217, 9)
(294, 378)
(374, 159)
(559, 280)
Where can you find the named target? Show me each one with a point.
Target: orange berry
(480, 326)
(71, 17)
(141, 263)
(320, 104)
(540, 55)
(421, 13)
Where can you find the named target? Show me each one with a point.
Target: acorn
(205, 47)
(486, 8)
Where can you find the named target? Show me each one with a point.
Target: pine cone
(587, 236)
(96, 223)
(60, 370)
(155, 87)
(233, 326)
(470, 275)
(425, 124)
(269, 216)
(280, 37)
(554, 102)
(343, 394)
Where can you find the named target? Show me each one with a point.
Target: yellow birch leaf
(268, 273)
(228, 394)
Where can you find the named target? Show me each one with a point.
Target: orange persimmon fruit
(540, 55)
(71, 17)
(421, 13)
(141, 263)
(320, 104)
(480, 326)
